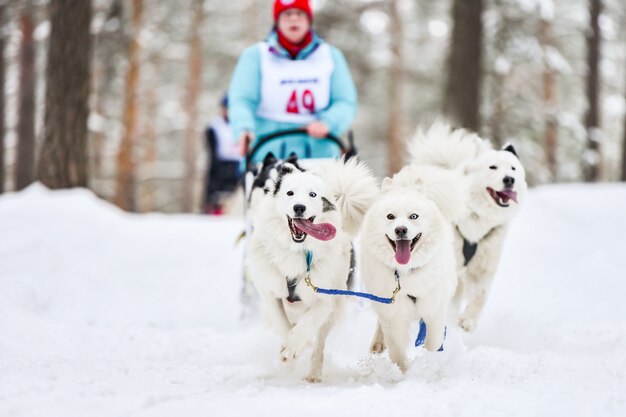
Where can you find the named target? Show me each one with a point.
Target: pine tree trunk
(3, 23)
(623, 178)
(396, 87)
(549, 100)
(148, 201)
(462, 94)
(25, 163)
(592, 118)
(125, 194)
(192, 135)
(498, 115)
(63, 162)
(106, 71)
(499, 88)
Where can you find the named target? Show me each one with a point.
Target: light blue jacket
(244, 96)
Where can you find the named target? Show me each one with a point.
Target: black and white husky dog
(303, 221)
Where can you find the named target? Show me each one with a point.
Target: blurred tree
(125, 191)
(63, 162)
(397, 141)
(194, 86)
(592, 159)
(107, 54)
(462, 94)
(147, 195)
(549, 96)
(497, 119)
(25, 161)
(623, 176)
(3, 32)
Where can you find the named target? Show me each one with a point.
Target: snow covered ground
(104, 313)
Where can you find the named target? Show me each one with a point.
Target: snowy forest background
(127, 120)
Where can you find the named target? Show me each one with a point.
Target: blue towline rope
(355, 294)
(421, 334)
(383, 300)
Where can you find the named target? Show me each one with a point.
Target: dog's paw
(313, 379)
(377, 347)
(293, 346)
(286, 354)
(468, 324)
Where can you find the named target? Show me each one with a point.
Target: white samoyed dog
(497, 187)
(303, 223)
(407, 242)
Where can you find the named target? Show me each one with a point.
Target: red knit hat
(282, 5)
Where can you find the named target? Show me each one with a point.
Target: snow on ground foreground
(104, 313)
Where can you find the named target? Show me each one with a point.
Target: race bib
(227, 150)
(292, 91)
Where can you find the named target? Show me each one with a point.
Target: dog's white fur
(437, 197)
(485, 222)
(273, 256)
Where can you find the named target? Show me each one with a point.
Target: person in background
(290, 80)
(224, 162)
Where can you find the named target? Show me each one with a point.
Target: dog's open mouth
(300, 228)
(502, 198)
(403, 248)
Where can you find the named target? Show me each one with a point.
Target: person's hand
(245, 139)
(317, 129)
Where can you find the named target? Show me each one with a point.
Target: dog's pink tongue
(508, 194)
(321, 231)
(403, 251)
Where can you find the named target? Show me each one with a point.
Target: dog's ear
(269, 159)
(292, 158)
(387, 184)
(510, 148)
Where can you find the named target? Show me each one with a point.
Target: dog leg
(276, 314)
(459, 296)
(317, 360)
(479, 276)
(306, 329)
(378, 342)
(396, 336)
(436, 329)
(469, 318)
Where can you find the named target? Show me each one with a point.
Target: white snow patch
(104, 313)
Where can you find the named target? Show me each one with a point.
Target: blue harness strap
(309, 260)
(421, 336)
(383, 300)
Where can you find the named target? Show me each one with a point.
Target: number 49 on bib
(306, 101)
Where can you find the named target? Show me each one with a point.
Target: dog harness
(383, 300)
(421, 335)
(470, 248)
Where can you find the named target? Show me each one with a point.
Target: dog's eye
(312, 194)
(391, 216)
(493, 167)
(513, 168)
(289, 193)
(413, 216)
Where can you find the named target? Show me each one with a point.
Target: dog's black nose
(508, 181)
(401, 231)
(299, 209)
